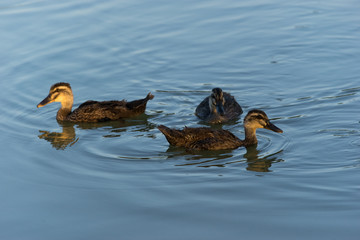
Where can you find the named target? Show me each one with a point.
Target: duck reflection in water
(67, 138)
(259, 164)
(255, 162)
(60, 140)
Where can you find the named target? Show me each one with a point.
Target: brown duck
(217, 139)
(92, 111)
(219, 107)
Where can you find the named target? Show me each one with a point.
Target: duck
(204, 138)
(92, 111)
(219, 107)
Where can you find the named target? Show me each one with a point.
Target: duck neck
(65, 109)
(250, 136)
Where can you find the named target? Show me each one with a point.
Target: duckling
(92, 111)
(219, 107)
(218, 139)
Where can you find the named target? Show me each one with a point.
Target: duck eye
(54, 91)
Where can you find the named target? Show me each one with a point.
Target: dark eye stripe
(258, 117)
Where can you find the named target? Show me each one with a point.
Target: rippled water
(297, 61)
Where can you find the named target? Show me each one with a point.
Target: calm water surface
(297, 61)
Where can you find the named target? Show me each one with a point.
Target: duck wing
(94, 111)
(182, 137)
(200, 138)
(231, 107)
(216, 144)
(203, 109)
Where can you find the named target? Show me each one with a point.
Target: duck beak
(45, 101)
(274, 128)
(220, 109)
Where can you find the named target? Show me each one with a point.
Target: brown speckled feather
(201, 138)
(94, 111)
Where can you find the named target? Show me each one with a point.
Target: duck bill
(274, 128)
(220, 109)
(46, 100)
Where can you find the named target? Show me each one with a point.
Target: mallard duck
(218, 139)
(92, 111)
(219, 107)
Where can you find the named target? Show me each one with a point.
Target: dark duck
(218, 139)
(92, 111)
(219, 107)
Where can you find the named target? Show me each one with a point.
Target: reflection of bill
(60, 140)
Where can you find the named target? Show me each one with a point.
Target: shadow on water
(255, 162)
(67, 138)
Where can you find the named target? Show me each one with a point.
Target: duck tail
(164, 129)
(173, 136)
(149, 96)
(139, 105)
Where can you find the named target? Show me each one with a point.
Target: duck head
(59, 92)
(217, 101)
(258, 119)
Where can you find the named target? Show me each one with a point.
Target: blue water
(297, 61)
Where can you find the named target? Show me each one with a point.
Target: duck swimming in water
(219, 107)
(92, 111)
(218, 139)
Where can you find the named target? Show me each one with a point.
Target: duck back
(232, 110)
(201, 138)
